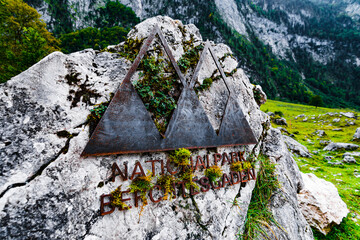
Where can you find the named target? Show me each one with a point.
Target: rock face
(357, 135)
(296, 147)
(49, 192)
(284, 203)
(339, 146)
(320, 203)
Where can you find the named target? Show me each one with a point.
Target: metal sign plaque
(127, 126)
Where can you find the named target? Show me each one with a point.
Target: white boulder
(340, 146)
(320, 203)
(357, 134)
(348, 114)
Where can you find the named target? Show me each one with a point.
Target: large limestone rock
(340, 146)
(47, 191)
(296, 147)
(320, 203)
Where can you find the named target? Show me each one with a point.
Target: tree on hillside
(92, 38)
(112, 23)
(316, 101)
(24, 39)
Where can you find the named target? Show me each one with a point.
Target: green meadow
(302, 129)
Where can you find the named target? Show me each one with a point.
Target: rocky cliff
(49, 192)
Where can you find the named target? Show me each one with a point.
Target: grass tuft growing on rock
(181, 157)
(213, 173)
(167, 183)
(116, 199)
(259, 217)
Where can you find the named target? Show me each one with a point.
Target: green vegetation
(236, 167)
(180, 157)
(342, 176)
(316, 101)
(213, 173)
(116, 199)
(112, 24)
(240, 166)
(191, 56)
(142, 184)
(259, 217)
(92, 38)
(131, 48)
(167, 182)
(61, 17)
(159, 88)
(24, 39)
(96, 114)
(114, 14)
(207, 82)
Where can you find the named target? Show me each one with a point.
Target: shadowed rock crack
(42, 168)
(198, 216)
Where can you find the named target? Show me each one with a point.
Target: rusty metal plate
(127, 126)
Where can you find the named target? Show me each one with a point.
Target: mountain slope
(294, 49)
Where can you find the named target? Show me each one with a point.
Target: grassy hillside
(342, 176)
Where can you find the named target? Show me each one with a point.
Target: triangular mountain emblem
(127, 126)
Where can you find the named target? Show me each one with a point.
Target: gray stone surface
(348, 114)
(284, 203)
(356, 136)
(260, 95)
(295, 147)
(356, 154)
(321, 204)
(340, 146)
(280, 121)
(336, 163)
(320, 133)
(349, 159)
(328, 158)
(49, 192)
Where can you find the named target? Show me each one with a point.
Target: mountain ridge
(293, 49)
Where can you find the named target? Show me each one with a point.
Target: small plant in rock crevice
(213, 173)
(130, 48)
(116, 201)
(180, 157)
(96, 114)
(236, 167)
(167, 183)
(142, 184)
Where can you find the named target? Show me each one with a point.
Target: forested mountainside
(294, 49)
